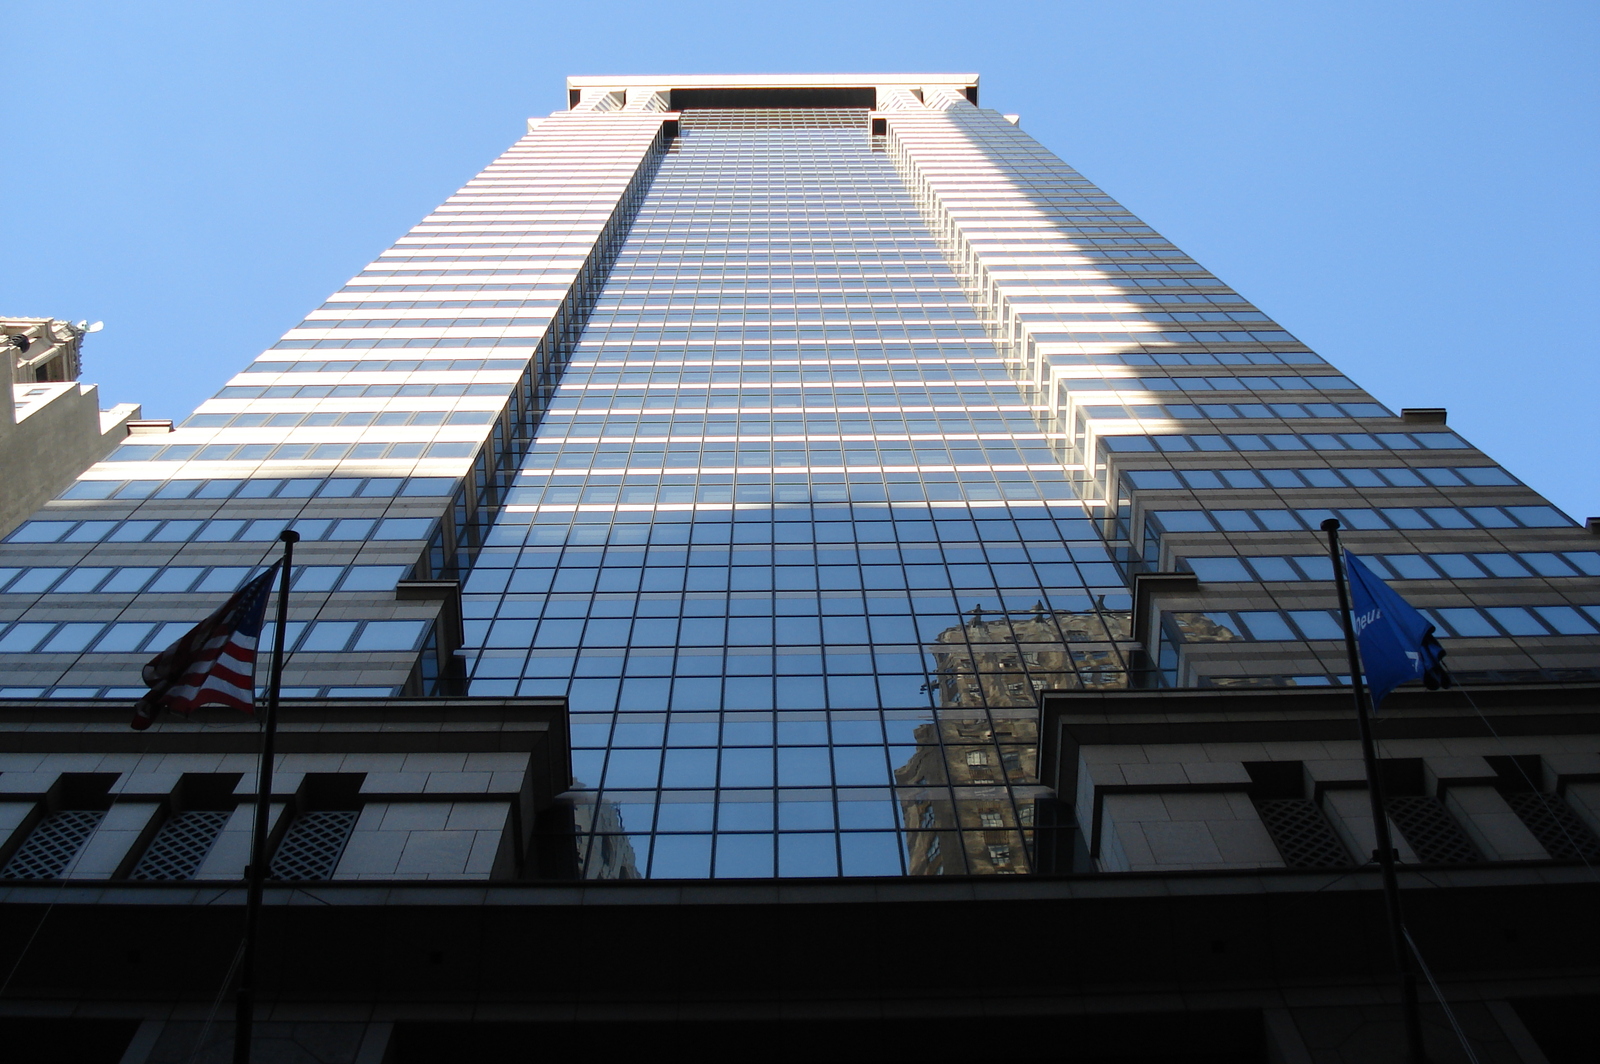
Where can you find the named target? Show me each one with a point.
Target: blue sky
(1410, 188)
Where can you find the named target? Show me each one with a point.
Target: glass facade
(791, 538)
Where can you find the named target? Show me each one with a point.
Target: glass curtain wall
(790, 538)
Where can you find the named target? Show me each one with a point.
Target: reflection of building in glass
(1000, 659)
(605, 851)
(966, 794)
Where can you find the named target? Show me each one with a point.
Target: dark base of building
(1271, 967)
(1363, 1033)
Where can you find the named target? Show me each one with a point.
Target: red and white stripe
(222, 673)
(214, 663)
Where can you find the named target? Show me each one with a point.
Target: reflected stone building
(754, 530)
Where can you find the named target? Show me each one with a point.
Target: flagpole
(1385, 852)
(256, 873)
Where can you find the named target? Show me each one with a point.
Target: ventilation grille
(1559, 830)
(1431, 831)
(180, 845)
(53, 844)
(313, 844)
(1303, 835)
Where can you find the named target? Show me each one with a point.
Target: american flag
(214, 663)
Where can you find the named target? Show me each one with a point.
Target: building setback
(801, 478)
(56, 428)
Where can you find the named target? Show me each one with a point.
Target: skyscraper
(802, 432)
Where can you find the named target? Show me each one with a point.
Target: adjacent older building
(56, 429)
(921, 553)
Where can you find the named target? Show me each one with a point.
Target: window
(991, 819)
(999, 854)
(977, 757)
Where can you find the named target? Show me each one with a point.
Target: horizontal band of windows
(805, 544)
(262, 488)
(739, 395)
(906, 540)
(1187, 358)
(937, 449)
(1422, 517)
(1310, 441)
(670, 409)
(334, 418)
(900, 384)
(906, 682)
(421, 323)
(290, 452)
(765, 855)
(697, 694)
(756, 552)
(356, 391)
(753, 580)
(533, 267)
(1228, 411)
(223, 531)
(871, 259)
(781, 310)
(656, 425)
(774, 646)
(1460, 622)
(1399, 566)
(1044, 259)
(649, 334)
(556, 247)
(427, 232)
(1202, 384)
(665, 301)
(737, 365)
(1165, 336)
(85, 580)
(933, 470)
(127, 637)
(841, 520)
(362, 343)
(365, 305)
(893, 432)
(1103, 293)
(1116, 284)
(1377, 477)
(1042, 321)
(629, 358)
(434, 365)
(1024, 489)
(769, 728)
(554, 290)
(547, 302)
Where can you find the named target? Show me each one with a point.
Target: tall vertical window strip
(790, 538)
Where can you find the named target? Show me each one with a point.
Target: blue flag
(1397, 642)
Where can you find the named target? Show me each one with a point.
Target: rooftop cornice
(751, 81)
